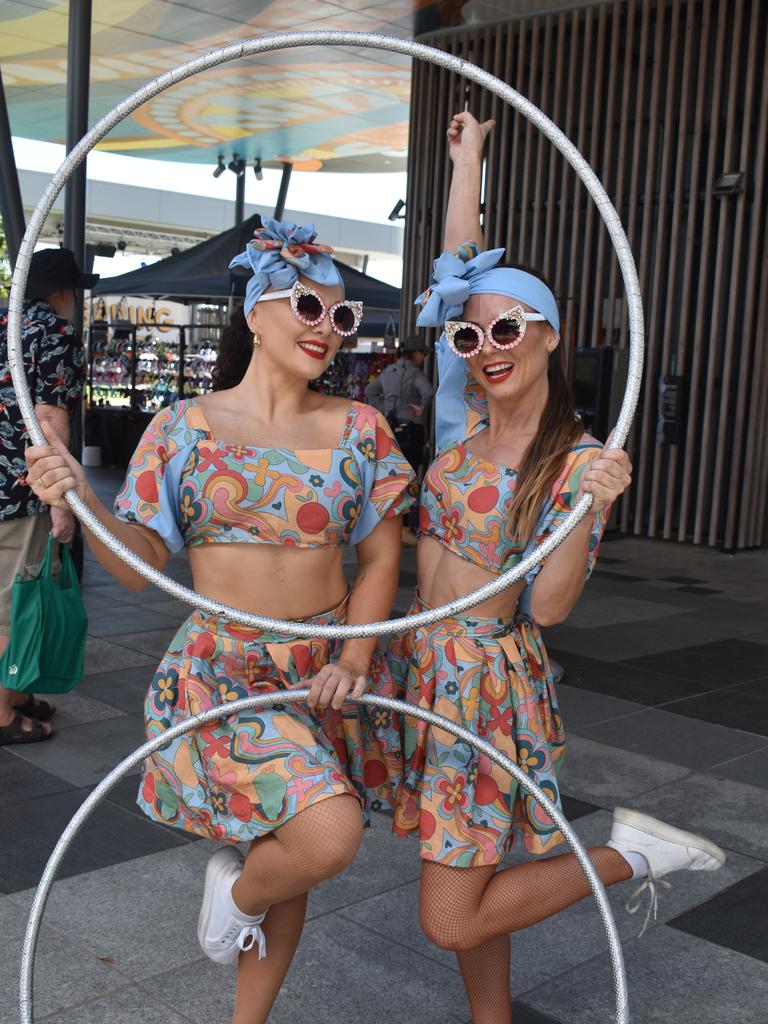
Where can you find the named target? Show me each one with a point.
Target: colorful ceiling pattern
(342, 110)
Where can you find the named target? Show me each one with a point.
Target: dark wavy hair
(559, 429)
(234, 355)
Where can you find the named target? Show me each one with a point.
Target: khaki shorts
(22, 547)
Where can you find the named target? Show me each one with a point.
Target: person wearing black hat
(54, 363)
(403, 392)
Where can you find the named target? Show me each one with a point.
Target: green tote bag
(48, 629)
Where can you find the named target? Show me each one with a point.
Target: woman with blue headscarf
(265, 484)
(512, 460)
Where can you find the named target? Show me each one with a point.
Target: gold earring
(256, 341)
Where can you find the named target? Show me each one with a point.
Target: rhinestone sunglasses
(505, 332)
(309, 309)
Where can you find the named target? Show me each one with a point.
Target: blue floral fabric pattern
(54, 363)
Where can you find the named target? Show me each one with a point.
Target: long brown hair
(234, 352)
(559, 429)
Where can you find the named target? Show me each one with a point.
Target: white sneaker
(664, 848)
(223, 930)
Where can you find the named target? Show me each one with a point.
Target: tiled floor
(666, 702)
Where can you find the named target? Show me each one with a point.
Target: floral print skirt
(493, 677)
(240, 777)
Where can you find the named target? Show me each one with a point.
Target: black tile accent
(736, 709)
(681, 579)
(605, 560)
(741, 652)
(31, 829)
(733, 918)
(618, 577)
(19, 778)
(709, 671)
(702, 591)
(631, 680)
(573, 808)
(407, 579)
(757, 687)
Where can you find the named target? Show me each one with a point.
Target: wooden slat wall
(662, 98)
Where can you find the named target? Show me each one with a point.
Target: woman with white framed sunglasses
(265, 482)
(512, 461)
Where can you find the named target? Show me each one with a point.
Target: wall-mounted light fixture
(728, 184)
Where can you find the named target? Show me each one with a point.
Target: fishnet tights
(463, 908)
(485, 970)
(317, 844)
(279, 871)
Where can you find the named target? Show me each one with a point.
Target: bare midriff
(266, 579)
(445, 576)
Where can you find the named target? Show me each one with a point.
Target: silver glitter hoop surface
(267, 700)
(266, 44)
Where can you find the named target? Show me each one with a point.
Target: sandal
(15, 732)
(35, 708)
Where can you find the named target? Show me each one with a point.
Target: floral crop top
(465, 504)
(191, 489)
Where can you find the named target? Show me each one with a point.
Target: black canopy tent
(202, 274)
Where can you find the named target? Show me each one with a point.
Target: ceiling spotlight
(121, 245)
(220, 167)
(175, 250)
(237, 166)
(257, 169)
(397, 213)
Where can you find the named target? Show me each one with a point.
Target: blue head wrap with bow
(461, 405)
(455, 279)
(278, 253)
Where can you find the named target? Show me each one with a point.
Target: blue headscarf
(278, 253)
(455, 279)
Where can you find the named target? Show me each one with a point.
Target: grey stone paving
(666, 703)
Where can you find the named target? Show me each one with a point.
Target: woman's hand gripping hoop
(629, 273)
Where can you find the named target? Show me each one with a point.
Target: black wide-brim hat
(55, 270)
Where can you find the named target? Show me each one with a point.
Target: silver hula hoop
(286, 41)
(266, 700)
(302, 630)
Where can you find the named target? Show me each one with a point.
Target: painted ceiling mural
(332, 108)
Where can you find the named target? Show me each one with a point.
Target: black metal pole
(11, 207)
(282, 195)
(78, 78)
(240, 198)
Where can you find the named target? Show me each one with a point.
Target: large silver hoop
(266, 700)
(367, 40)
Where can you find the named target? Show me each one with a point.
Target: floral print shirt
(54, 363)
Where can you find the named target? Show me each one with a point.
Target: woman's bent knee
(443, 928)
(326, 837)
